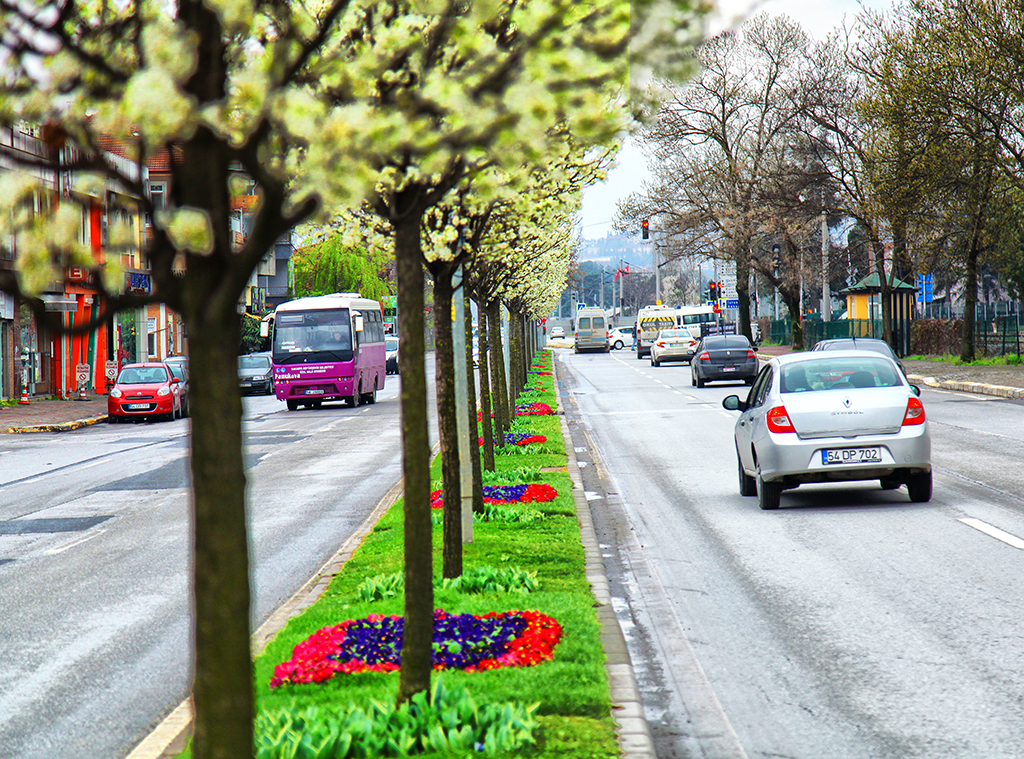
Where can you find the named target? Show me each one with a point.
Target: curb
(634, 734)
(59, 427)
(981, 388)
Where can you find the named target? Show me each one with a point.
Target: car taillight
(660, 344)
(778, 420)
(915, 412)
(705, 356)
(751, 354)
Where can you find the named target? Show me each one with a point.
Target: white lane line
(994, 532)
(72, 544)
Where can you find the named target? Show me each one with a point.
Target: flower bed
(521, 493)
(533, 409)
(519, 438)
(469, 642)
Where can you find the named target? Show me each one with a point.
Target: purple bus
(328, 348)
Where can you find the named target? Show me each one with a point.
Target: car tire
(639, 355)
(353, 400)
(618, 345)
(292, 405)
(748, 486)
(768, 493)
(748, 381)
(919, 486)
(700, 382)
(654, 361)
(693, 379)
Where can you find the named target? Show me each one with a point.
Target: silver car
(832, 416)
(672, 345)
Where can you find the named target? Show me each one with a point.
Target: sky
(818, 18)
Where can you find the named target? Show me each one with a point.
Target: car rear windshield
(724, 343)
(842, 373)
(390, 343)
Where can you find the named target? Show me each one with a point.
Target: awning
(59, 302)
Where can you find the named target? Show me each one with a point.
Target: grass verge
(570, 691)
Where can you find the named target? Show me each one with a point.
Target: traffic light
(645, 229)
(714, 291)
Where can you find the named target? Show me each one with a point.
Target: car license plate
(138, 406)
(728, 368)
(851, 456)
(314, 391)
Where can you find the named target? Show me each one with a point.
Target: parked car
(391, 354)
(557, 332)
(179, 370)
(672, 345)
(835, 416)
(622, 336)
(726, 358)
(256, 373)
(859, 343)
(144, 391)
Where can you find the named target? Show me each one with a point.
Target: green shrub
(449, 721)
(380, 587)
(480, 579)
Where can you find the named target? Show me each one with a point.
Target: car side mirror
(734, 403)
(915, 390)
(175, 381)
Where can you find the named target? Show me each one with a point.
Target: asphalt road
(94, 558)
(850, 624)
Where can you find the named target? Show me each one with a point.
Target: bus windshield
(304, 337)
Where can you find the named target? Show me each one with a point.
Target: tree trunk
(447, 422)
(222, 682)
(419, 579)
(498, 381)
(743, 293)
(792, 302)
(478, 483)
(967, 353)
(486, 420)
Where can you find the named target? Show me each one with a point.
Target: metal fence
(997, 335)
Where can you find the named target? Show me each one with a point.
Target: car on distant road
(557, 332)
(144, 391)
(672, 345)
(179, 370)
(723, 358)
(391, 354)
(859, 343)
(833, 416)
(256, 373)
(622, 336)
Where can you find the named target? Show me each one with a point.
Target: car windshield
(142, 375)
(390, 343)
(878, 346)
(841, 373)
(253, 362)
(177, 370)
(673, 333)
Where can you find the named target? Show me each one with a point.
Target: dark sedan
(723, 358)
(255, 374)
(859, 344)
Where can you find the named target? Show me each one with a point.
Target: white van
(591, 331)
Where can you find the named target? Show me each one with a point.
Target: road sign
(729, 303)
(924, 288)
(110, 370)
(82, 373)
(580, 307)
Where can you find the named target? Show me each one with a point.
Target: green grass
(1011, 359)
(572, 690)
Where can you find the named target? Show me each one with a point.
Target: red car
(144, 391)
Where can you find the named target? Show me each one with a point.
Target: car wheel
(292, 405)
(768, 493)
(653, 361)
(693, 379)
(748, 381)
(618, 345)
(748, 486)
(700, 382)
(639, 355)
(353, 400)
(370, 397)
(919, 485)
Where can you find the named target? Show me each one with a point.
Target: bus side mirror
(264, 329)
(359, 324)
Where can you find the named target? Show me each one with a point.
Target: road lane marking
(73, 543)
(994, 532)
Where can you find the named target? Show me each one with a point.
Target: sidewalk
(998, 381)
(46, 415)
